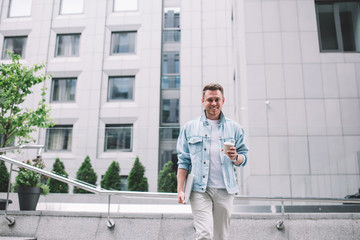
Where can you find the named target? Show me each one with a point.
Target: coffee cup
(227, 146)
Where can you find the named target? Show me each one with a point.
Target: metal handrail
(109, 193)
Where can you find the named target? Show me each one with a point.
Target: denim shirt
(193, 149)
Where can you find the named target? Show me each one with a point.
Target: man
(199, 150)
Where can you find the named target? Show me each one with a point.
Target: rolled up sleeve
(241, 148)
(183, 153)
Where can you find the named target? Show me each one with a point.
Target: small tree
(86, 174)
(136, 179)
(4, 177)
(16, 121)
(167, 178)
(112, 179)
(55, 185)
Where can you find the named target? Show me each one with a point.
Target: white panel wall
(310, 126)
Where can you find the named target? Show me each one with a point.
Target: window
(172, 18)
(58, 138)
(63, 90)
(15, 44)
(67, 45)
(121, 88)
(170, 111)
(168, 155)
(125, 5)
(169, 133)
(123, 183)
(71, 6)
(123, 42)
(170, 82)
(20, 8)
(170, 78)
(171, 35)
(118, 137)
(171, 31)
(171, 63)
(339, 25)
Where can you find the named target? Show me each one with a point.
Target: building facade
(126, 75)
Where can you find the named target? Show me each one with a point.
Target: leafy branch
(16, 83)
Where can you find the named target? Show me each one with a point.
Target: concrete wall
(57, 226)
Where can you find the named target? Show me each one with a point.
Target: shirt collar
(204, 119)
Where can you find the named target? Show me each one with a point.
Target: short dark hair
(213, 87)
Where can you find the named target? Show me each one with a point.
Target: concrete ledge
(45, 225)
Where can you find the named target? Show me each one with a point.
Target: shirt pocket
(195, 145)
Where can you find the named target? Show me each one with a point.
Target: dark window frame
(57, 44)
(337, 24)
(58, 127)
(112, 46)
(109, 91)
(5, 56)
(119, 126)
(61, 100)
(163, 111)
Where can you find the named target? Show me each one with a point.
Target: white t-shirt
(216, 179)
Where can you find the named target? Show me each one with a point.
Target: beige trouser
(212, 211)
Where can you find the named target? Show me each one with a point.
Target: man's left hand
(231, 153)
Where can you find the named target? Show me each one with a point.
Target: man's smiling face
(213, 101)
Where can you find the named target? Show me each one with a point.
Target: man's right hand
(181, 176)
(181, 197)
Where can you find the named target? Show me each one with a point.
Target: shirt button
(203, 176)
(204, 149)
(204, 162)
(205, 135)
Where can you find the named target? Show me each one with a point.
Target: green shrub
(4, 177)
(28, 178)
(86, 174)
(56, 186)
(167, 181)
(136, 179)
(112, 179)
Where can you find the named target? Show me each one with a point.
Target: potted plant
(29, 186)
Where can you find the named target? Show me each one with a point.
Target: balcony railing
(148, 195)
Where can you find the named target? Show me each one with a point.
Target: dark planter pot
(3, 203)
(28, 197)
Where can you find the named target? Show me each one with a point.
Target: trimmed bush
(136, 179)
(55, 185)
(167, 181)
(4, 177)
(112, 179)
(86, 173)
